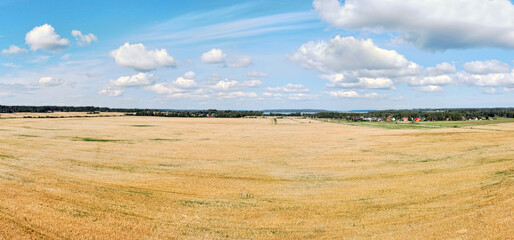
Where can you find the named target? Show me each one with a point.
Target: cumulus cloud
(117, 87)
(431, 80)
(485, 67)
(428, 24)
(233, 85)
(136, 80)
(347, 62)
(348, 54)
(163, 89)
(83, 40)
(215, 55)
(354, 94)
(215, 87)
(487, 80)
(338, 80)
(186, 81)
(136, 56)
(243, 61)
(13, 49)
(289, 91)
(289, 88)
(440, 69)
(429, 88)
(489, 73)
(226, 85)
(44, 37)
(50, 81)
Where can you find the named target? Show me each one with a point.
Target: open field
(200, 178)
(423, 124)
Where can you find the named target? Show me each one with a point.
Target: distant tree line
(200, 113)
(425, 114)
(42, 109)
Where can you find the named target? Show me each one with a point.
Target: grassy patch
(26, 135)
(96, 140)
(423, 125)
(140, 125)
(507, 173)
(6, 156)
(168, 165)
(140, 192)
(165, 139)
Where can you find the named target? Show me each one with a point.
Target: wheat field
(252, 178)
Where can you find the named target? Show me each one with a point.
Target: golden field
(177, 178)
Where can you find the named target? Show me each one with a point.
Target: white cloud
(431, 80)
(428, 24)
(257, 74)
(50, 81)
(352, 63)
(344, 94)
(233, 85)
(485, 67)
(186, 81)
(111, 92)
(429, 88)
(13, 49)
(440, 69)
(215, 55)
(136, 80)
(301, 96)
(338, 80)
(507, 89)
(487, 80)
(243, 61)
(83, 40)
(136, 56)
(289, 91)
(226, 85)
(163, 89)
(117, 87)
(289, 88)
(214, 88)
(489, 73)
(348, 54)
(44, 37)
(354, 94)
(252, 83)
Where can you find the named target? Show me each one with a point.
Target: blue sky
(327, 54)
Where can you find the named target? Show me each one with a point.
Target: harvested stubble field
(173, 178)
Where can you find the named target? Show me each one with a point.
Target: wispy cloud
(177, 32)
